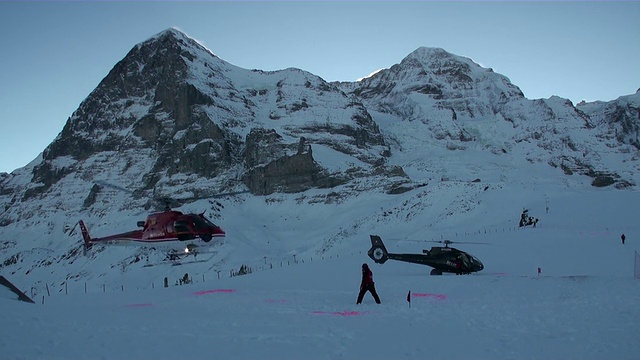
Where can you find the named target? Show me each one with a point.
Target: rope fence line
(67, 287)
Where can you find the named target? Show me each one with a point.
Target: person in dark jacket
(367, 284)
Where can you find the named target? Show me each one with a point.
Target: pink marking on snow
(434, 296)
(204, 292)
(337, 313)
(139, 305)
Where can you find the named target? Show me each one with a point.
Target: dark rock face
(272, 170)
(151, 75)
(620, 118)
(171, 107)
(288, 174)
(45, 175)
(627, 116)
(263, 146)
(152, 81)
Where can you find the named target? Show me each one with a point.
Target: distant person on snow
(367, 284)
(623, 238)
(523, 218)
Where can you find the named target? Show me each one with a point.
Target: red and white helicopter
(167, 229)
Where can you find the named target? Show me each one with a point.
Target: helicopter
(441, 259)
(167, 228)
(162, 227)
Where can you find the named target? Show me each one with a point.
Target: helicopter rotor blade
(213, 196)
(446, 242)
(177, 202)
(163, 203)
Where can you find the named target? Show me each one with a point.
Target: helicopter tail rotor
(378, 251)
(85, 235)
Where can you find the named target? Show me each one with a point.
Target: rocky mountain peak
(172, 33)
(433, 81)
(174, 40)
(141, 106)
(435, 62)
(428, 55)
(172, 109)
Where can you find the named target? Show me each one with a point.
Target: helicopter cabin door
(154, 228)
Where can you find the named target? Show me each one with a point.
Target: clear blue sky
(53, 54)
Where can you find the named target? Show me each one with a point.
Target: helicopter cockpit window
(206, 221)
(465, 259)
(181, 226)
(200, 223)
(199, 220)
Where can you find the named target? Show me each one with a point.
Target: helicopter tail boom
(85, 235)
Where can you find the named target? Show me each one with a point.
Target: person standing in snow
(367, 284)
(623, 238)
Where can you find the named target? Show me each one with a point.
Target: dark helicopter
(441, 259)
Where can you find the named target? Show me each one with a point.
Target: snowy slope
(583, 304)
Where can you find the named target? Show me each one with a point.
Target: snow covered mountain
(452, 101)
(412, 149)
